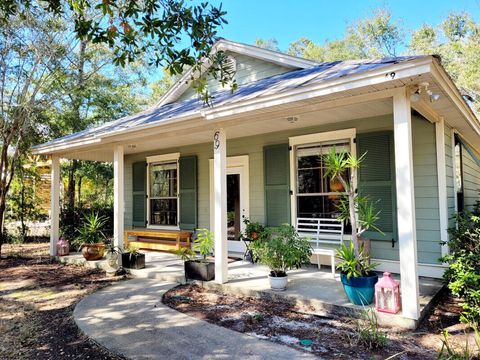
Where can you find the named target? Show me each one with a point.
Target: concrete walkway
(129, 319)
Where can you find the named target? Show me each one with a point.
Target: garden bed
(327, 337)
(37, 297)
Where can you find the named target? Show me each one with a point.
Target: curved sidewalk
(129, 319)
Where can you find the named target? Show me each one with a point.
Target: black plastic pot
(199, 270)
(133, 261)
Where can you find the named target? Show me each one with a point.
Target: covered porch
(356, 104)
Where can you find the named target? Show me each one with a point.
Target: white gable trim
(248, 50)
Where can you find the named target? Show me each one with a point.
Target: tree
(133, 28)
(269, 44)
(29, 53)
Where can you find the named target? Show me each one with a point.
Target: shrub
(367, 331)
(283, 251)
(70, 219)
(463, 274)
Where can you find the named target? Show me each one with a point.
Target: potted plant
(91, 238)
(132, 258)
(111, 253)
(199, 268)
(282, 251)
(357, 273)
(254, 231)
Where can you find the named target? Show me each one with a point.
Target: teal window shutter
(376, 180)
(276, 161)
(139, 194)
(188, 192)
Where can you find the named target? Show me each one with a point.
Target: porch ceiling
(200, 130)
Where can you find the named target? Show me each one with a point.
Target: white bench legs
(326, 252)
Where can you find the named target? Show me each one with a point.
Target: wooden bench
(155, 239)
(321, 232)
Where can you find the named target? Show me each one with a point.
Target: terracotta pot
(93, 251)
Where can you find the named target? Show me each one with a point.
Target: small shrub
(463, 274)
(367, 332)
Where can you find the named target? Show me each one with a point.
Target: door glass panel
(233, 206)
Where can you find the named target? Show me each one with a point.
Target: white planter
(278, 283)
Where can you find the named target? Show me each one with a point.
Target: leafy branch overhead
(175, 34)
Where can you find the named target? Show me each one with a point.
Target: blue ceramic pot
(360, 290)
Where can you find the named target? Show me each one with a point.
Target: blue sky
(288, 20)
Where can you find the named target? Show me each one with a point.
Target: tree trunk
(71, 185)
(79, 190)
(2, 230)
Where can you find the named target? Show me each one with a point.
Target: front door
(237, 200)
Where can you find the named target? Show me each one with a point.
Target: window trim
(460, 205)
(345, 134)
(159, 159)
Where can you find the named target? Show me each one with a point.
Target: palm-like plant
(358, 209)
(91, 231)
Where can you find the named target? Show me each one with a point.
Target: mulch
(37, 298)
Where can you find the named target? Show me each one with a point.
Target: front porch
(312, 290)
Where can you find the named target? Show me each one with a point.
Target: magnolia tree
(358, 209)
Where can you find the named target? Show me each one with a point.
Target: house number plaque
(216, 140)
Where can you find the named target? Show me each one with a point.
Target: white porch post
(118, 189)
(442, 182)
(402, 125)
(220, 205)
(54, 205)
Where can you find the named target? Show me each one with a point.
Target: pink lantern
(63, 247)
(387, 294)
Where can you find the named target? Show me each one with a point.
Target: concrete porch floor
(313, 290)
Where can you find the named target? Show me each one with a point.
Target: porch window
(163, 193)
(317, 196)
(459, 173)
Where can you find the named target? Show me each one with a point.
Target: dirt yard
(327, 337)
(37, 297)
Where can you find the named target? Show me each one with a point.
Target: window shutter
(188, 192)
(139, 193)
(376, 180)
(277, 184)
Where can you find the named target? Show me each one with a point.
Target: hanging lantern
(63, 247)
(387, 294)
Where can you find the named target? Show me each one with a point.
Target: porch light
(415, 96)
(387, 294)
(433, 97)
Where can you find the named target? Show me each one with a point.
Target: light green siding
(248, 69)
(471, 179)
(426, 191)
(424, 167)
(449, 175)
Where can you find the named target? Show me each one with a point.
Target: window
(313, 194)
(317, 195)
(459, 173)
(162, 191)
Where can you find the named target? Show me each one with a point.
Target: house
(255, 153)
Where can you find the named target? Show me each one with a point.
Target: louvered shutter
(139, 208)
(277, 184)
(188, 192)
(377, 181)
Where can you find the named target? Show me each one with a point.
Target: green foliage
(451, 352)
(91, 231)
(70, 218)
(254, 230)
(204, 243)
(269, 44)
(353, 265)
(367, 332)
(463, 274)
(283, 250)
(184, 254)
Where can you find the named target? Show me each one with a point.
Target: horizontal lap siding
(471, 180)
(426, 191)
(449, 174)
(248, 70)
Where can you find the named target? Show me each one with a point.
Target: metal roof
(277, 84)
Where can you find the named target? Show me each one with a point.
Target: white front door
(237, 201)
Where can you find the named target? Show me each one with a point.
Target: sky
(288, 20)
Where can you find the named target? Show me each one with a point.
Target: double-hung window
(163, 191)
(314, 194)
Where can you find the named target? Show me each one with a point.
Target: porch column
(442, 182)
(407, 238)
(118, 205)
(54, 205)
(220, 205)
